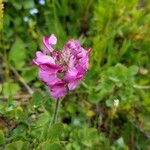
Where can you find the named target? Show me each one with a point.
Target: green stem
(55, 112)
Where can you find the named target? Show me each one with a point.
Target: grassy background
(118, 31)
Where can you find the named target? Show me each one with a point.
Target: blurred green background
(110, 109)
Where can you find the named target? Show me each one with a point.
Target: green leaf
(28, 4)
(133, 70)
(41, 120)
(55, 131)
(18, 54)
(109, 103)
(50, 146)
(89, 136)
(10, 89)
(15, 145)
(18, 145)
(16, 4)
(120, 143)
(37, 99)
(26, 146)
(30, 73)
(2, 138)
(20, 131)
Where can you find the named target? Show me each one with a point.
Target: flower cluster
(61, 70)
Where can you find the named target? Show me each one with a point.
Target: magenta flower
(61, 70)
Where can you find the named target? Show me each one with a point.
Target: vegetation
(110, 109)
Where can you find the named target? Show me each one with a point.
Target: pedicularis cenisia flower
(61, 70)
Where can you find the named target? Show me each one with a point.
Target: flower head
(61, 70)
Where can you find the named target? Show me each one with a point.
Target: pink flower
(61, 70)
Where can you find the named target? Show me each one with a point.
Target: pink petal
(71, 74)
(48, 48)
(71, 62)
(34, 61)
(83, 53)
(49, 41)
(42, 58)
(48, 77)
(73, 45)
(72, 85)
(84, 62)
(50, 67)
(45, 62)
(52, 39)
(58, 90)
